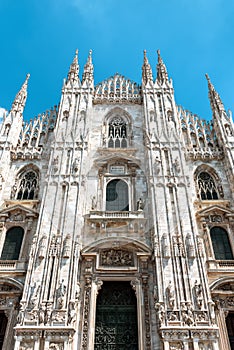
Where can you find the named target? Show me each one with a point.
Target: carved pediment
(215, 213)
(16, 213)
(110, 154)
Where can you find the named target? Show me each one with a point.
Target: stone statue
(140, 205)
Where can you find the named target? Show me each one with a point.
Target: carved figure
(94, 203)
(161, 313)
(140, 205)
(61, 291)
(75, 165)
(170, 295)
(71, 313)
(198, 299)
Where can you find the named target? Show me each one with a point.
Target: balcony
(12, 266)
(116, 215)
(220, 266)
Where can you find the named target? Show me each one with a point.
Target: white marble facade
(172, 177)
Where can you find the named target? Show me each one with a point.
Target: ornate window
(207, 189)
(117, 196)
(12, 244)
(117, 133)
(221, 244)
(28, 186)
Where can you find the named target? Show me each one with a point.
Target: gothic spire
(88, 70)
(73, 74)
(146, 70)
(215, 100)
(20, 99)
(162, 75)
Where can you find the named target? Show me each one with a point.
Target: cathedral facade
(117, 219)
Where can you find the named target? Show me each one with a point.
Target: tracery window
(12, 244)
(28, 186)
(207, 189)
(117, 196)
(221, 244)
(117, 133)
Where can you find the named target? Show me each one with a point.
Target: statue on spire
(73, 74)
(162, 75)
(88, 70)
(146, 70)
(215, 100)
(20, 99)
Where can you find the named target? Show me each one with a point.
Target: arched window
(221, 244)
(207, 189)
(117, 133)
(117, 196)
(28, 186)
(12, 244)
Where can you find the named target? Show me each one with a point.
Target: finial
(146, 70)
(88, 70)
(20, 99)
(215, 100)
(73, 74)
(162, 75)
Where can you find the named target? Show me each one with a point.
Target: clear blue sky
(40, 38)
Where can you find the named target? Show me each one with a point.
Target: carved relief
(115, 257)
(56, 346)
(87, 292)
(26, 345)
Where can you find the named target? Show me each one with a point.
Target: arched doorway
(116, 317)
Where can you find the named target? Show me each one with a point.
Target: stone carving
(67, 247)
(58, 316)
(71, 319)
(42, 248)
(190, 247)
(187, 313)
(176, 166)
(34, 298)
(165, 246)
(145, 289)
(42, 313)
(178, 246)
(87, 293)
(176, 346)
(16, 216)
(197, 294)
(212, 311)
(116, 258)
(140, 205)
(200, 246)
(54, 246)
(55, 164)
(56, 346)
(13, 191)
(161, 313)
(26, 345)
(75, 165)
(94, 203)
(170, 294)
(156, 247)
(61, 292)
(201, 316)
(157, 165)
(172, 316)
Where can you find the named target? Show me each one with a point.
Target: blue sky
(40, 38)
